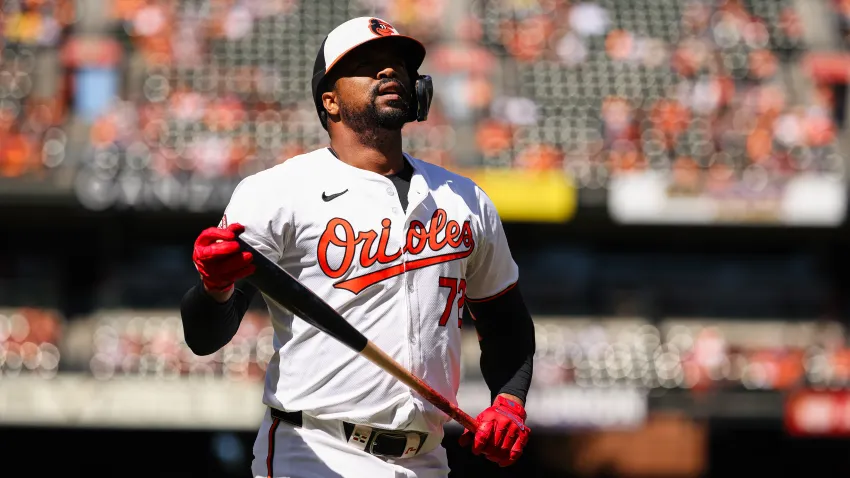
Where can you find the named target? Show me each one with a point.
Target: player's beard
(369, 118)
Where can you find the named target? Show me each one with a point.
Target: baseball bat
(284, 289)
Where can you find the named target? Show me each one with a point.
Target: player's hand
(219, 259)
(502, 433)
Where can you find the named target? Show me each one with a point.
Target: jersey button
(395, 210)
(390, 191)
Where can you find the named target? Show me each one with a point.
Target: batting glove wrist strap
(509, 406)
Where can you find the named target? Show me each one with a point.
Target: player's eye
(364, 65)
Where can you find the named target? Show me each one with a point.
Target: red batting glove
(219, 259)
(501, 434)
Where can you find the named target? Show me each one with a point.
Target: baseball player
(399, 247)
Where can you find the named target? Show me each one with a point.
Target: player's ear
(329, 101)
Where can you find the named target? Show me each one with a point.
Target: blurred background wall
(672, 175)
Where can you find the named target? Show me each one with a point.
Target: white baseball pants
(321, 452)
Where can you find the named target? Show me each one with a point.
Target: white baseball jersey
(400, 278)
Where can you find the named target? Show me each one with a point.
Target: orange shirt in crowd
(686, 174)
(539, 158)
(759, 144)
(820, 130)
(104, 131)
(619, 44)
(526, 39)
(493, 137)
(126, 9)
(763, 63)
(670, 117)
(16, 154)
(479, 92)
(625, 159)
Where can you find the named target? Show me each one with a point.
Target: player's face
(374, 89)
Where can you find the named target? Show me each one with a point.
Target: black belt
(380, 442)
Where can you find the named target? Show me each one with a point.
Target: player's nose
(389, 72)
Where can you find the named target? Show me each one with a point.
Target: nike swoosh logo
(331, 197)
(357, 284)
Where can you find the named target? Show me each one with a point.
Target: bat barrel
(284, 289)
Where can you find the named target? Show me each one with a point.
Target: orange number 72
(456, 289)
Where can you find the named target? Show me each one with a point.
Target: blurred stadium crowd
(219, 88)
(676, 354)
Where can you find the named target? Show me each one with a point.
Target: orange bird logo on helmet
(380, 27)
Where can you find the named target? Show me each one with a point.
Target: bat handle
(443, 404)
(467, 421)
(381, 359)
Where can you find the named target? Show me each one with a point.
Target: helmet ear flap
(424, 88)
(323, 118)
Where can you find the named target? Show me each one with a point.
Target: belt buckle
(407, 450)
(376, 433)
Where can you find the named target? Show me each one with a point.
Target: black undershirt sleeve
(507, 345)
(209, 325)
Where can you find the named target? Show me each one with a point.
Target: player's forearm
(507, 344)
(220, 296)
(208, 324)
(506, 373)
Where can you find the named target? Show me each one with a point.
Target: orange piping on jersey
(357, 284)
(506, 289)
(477, 333)
(270, 456)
